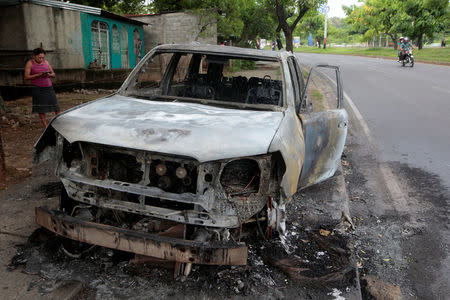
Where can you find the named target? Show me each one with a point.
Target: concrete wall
(27, 26)
(13, 42)
(176, 28)
(59, 31)
(64, 34)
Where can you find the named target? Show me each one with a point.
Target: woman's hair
(38, 51)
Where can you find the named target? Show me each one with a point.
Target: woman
(39, 71)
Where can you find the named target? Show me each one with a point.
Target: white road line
(360, 119)
(398, 198)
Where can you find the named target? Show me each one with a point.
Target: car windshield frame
(128, 85)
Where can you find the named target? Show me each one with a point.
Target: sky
(336, 7)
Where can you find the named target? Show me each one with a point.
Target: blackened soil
(51, 189)
(314, 255)
(110, 274)
(428, 248)
(405, 248)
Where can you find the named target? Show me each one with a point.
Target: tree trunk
(244, 37)
(279, 42)
(420, 41)
(394, 40)
(289, 39)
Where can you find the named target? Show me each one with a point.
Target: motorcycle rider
(407, 43)
(400, 48)
(405, 46)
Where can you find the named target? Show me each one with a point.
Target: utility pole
(325, 9)
(325, 31)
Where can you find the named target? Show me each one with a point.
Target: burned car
(199, 142)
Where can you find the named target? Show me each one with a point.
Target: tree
(287, 14)
(256, 23)
(312, 22)
(424, 17)
(241, 20)
(365, 20)
(388, 15)
(414, 18)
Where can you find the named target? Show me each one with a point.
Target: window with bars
(115, 40)
(124, 47)
(100, 44)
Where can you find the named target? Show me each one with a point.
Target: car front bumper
(162, 247)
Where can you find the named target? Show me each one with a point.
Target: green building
(74, 36)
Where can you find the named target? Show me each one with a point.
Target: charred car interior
(199, 144)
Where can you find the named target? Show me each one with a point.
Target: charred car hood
(202, 132)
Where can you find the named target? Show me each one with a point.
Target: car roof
(221, 50)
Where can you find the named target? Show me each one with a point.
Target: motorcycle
(408, 58)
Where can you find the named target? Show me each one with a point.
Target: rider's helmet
(405, 39)
(401, 38)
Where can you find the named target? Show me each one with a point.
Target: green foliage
(414, 18)
(288, 13)
(426, 17)
(313, 22)
(239, 20)
(256, 22)
(167, 5)
(239, 64)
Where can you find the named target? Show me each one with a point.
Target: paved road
(407, 109)
(401, 218)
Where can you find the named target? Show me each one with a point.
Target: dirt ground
(20, 129)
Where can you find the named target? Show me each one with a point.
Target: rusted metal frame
(162, 247)
(135, 189)
(78, 193)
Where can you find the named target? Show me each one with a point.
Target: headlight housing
(241, 177)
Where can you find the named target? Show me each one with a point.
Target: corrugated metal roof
(72, 6)
(66, 5)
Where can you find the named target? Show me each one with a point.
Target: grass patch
(426, 54)
(305, 74)
(317, 100)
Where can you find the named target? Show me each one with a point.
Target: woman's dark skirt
(44, 100)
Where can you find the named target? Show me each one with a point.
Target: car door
(324, 124)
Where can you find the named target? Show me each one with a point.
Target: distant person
(443, 42)
(39, 71)
(400, 48)
(273, 46)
